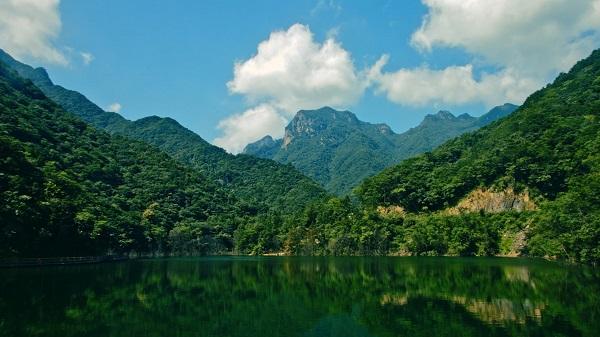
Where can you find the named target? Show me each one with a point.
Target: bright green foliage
(551, 145)
(261, 184)
(68, 189)
(340, 227)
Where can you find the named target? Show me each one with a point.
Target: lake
(296, 296)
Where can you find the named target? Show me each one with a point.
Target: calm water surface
(278, 296)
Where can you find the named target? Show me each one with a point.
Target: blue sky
(176, 58)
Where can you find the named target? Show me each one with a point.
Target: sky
(235, 71)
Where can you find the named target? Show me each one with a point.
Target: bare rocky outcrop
(391, 211)
(490, 201)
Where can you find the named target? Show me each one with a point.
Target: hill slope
(549, 148)
(263, 184)
(339, 151)
(67, 189)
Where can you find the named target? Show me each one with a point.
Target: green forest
(69, 188)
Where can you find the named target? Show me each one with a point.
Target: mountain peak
(311, 122)
(37, 75)
(441, 115)
(264, 147)
(265, 141)
(497, 113)
(326, 114)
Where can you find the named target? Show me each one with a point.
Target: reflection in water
(302, 297)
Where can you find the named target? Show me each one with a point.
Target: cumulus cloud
(249, 126)
(534, 37)
(28, 28)
(87, 58)
(115, 107)
(528, 41)
(290, 71)
(454, 85)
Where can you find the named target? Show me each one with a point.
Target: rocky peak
(309, 123)
(264, 147)
(442, 114)
(266, 141)
(384, 129)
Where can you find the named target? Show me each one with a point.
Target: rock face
(338, 150)
(490, 201)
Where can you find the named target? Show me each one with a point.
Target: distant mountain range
(262, 184)
(338, 150)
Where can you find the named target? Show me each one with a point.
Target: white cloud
(115, 107)
(86, 57)
(249, 126)
(528, 41)
(28, 28)
(291, 71)
(454, 85)
(534, 37)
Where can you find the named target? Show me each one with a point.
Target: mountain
(67, 189)
(262, 184)
(543, 158)
(70, 100)
(339, 151)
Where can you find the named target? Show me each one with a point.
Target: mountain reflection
(303, 297)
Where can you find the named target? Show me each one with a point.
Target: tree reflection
(303, 297)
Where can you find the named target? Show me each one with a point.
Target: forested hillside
(338, 150)
(68, 189)
(262, 184)
(524, 185)
(549, 147)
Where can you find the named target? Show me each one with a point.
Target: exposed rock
(490, 201)
(391, 211)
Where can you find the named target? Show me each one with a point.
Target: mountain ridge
(338, 150)
(69, 189)
(547, 152)
(243, 174)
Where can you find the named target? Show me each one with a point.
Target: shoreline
(57, 261)
(6, 263)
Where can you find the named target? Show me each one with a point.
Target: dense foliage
(549, 146)
(341, 227)
(262, 184)
(68, 189)
(339, 151)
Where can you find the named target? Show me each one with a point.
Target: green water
(278, 296)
